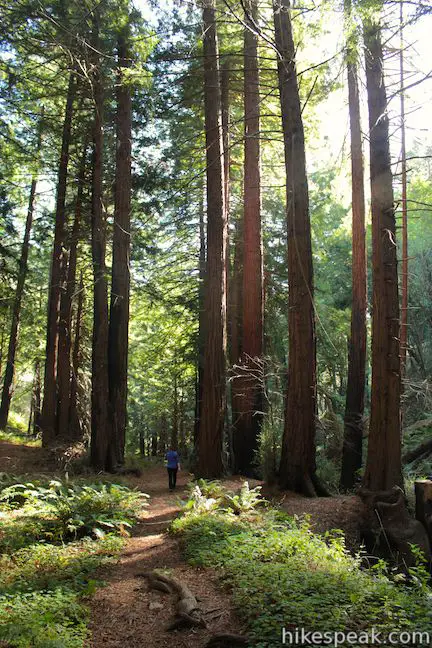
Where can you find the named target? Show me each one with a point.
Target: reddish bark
(383, 467)
(354, 408)
(213, 403)
(249, 390)
(50, 375)
(64, 371)
(297, 467)
(120, 283)
(16, 310)
(100, 431)
(201, 324)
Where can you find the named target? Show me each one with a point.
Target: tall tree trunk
(404, 308)
(182, 431)
(64, 371)
(37, 400)
(383, 466)
(74, 424)
(250, 389)
(354, 408)
(201, 325)
(120, 286)
(297, 467)
(175, 419)
(16, 310)
(154, 443)
(213, 404)
(2, 339)
(100, 456)
(50, 375)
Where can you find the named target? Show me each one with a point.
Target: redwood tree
(100, 433)
(354, 408)
(16, 309)
(213, 403)
(64, 371)
(297, 466)
(120, 285)
(383, 467)
(48, 421)
(249, 390)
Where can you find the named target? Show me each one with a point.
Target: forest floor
(125, 613)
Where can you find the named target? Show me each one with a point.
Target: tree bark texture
(213, 403)
(383, 467)
(64, 372)
(249, 390)
(201, 318)
(354, 407)
(100, 429)
(297, 467)
(120, 284)
(50, 375)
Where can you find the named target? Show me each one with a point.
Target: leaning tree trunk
(50, 375)
(383, 467)
(297, 467)
(64, 371)
(249, 389)
(16, 310)
(120, 285)
(213, 402)
(100, 432)
(354, 407)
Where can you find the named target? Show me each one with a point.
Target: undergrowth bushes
(283, 575)
(53, 536)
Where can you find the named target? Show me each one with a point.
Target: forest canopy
(189, 192)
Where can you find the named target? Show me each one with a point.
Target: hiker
(173, 465)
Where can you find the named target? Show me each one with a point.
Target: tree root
(188, 612)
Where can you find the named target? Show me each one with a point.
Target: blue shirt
(172, 459)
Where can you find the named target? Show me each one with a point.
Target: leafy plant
(45, 571)
(279, 572)
(245, 501)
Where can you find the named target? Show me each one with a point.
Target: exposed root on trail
(188, 611)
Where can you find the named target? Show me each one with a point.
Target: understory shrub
(53, 536)
(283, 575)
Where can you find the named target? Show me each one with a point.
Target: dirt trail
(125, 613)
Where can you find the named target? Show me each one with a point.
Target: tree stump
(423, 506)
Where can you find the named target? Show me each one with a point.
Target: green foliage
(212, 496)
(209, 488)
(42, 579)
(43, 620)
(58, 512)
(281, 573)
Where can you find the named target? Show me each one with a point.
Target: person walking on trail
(173, 465)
